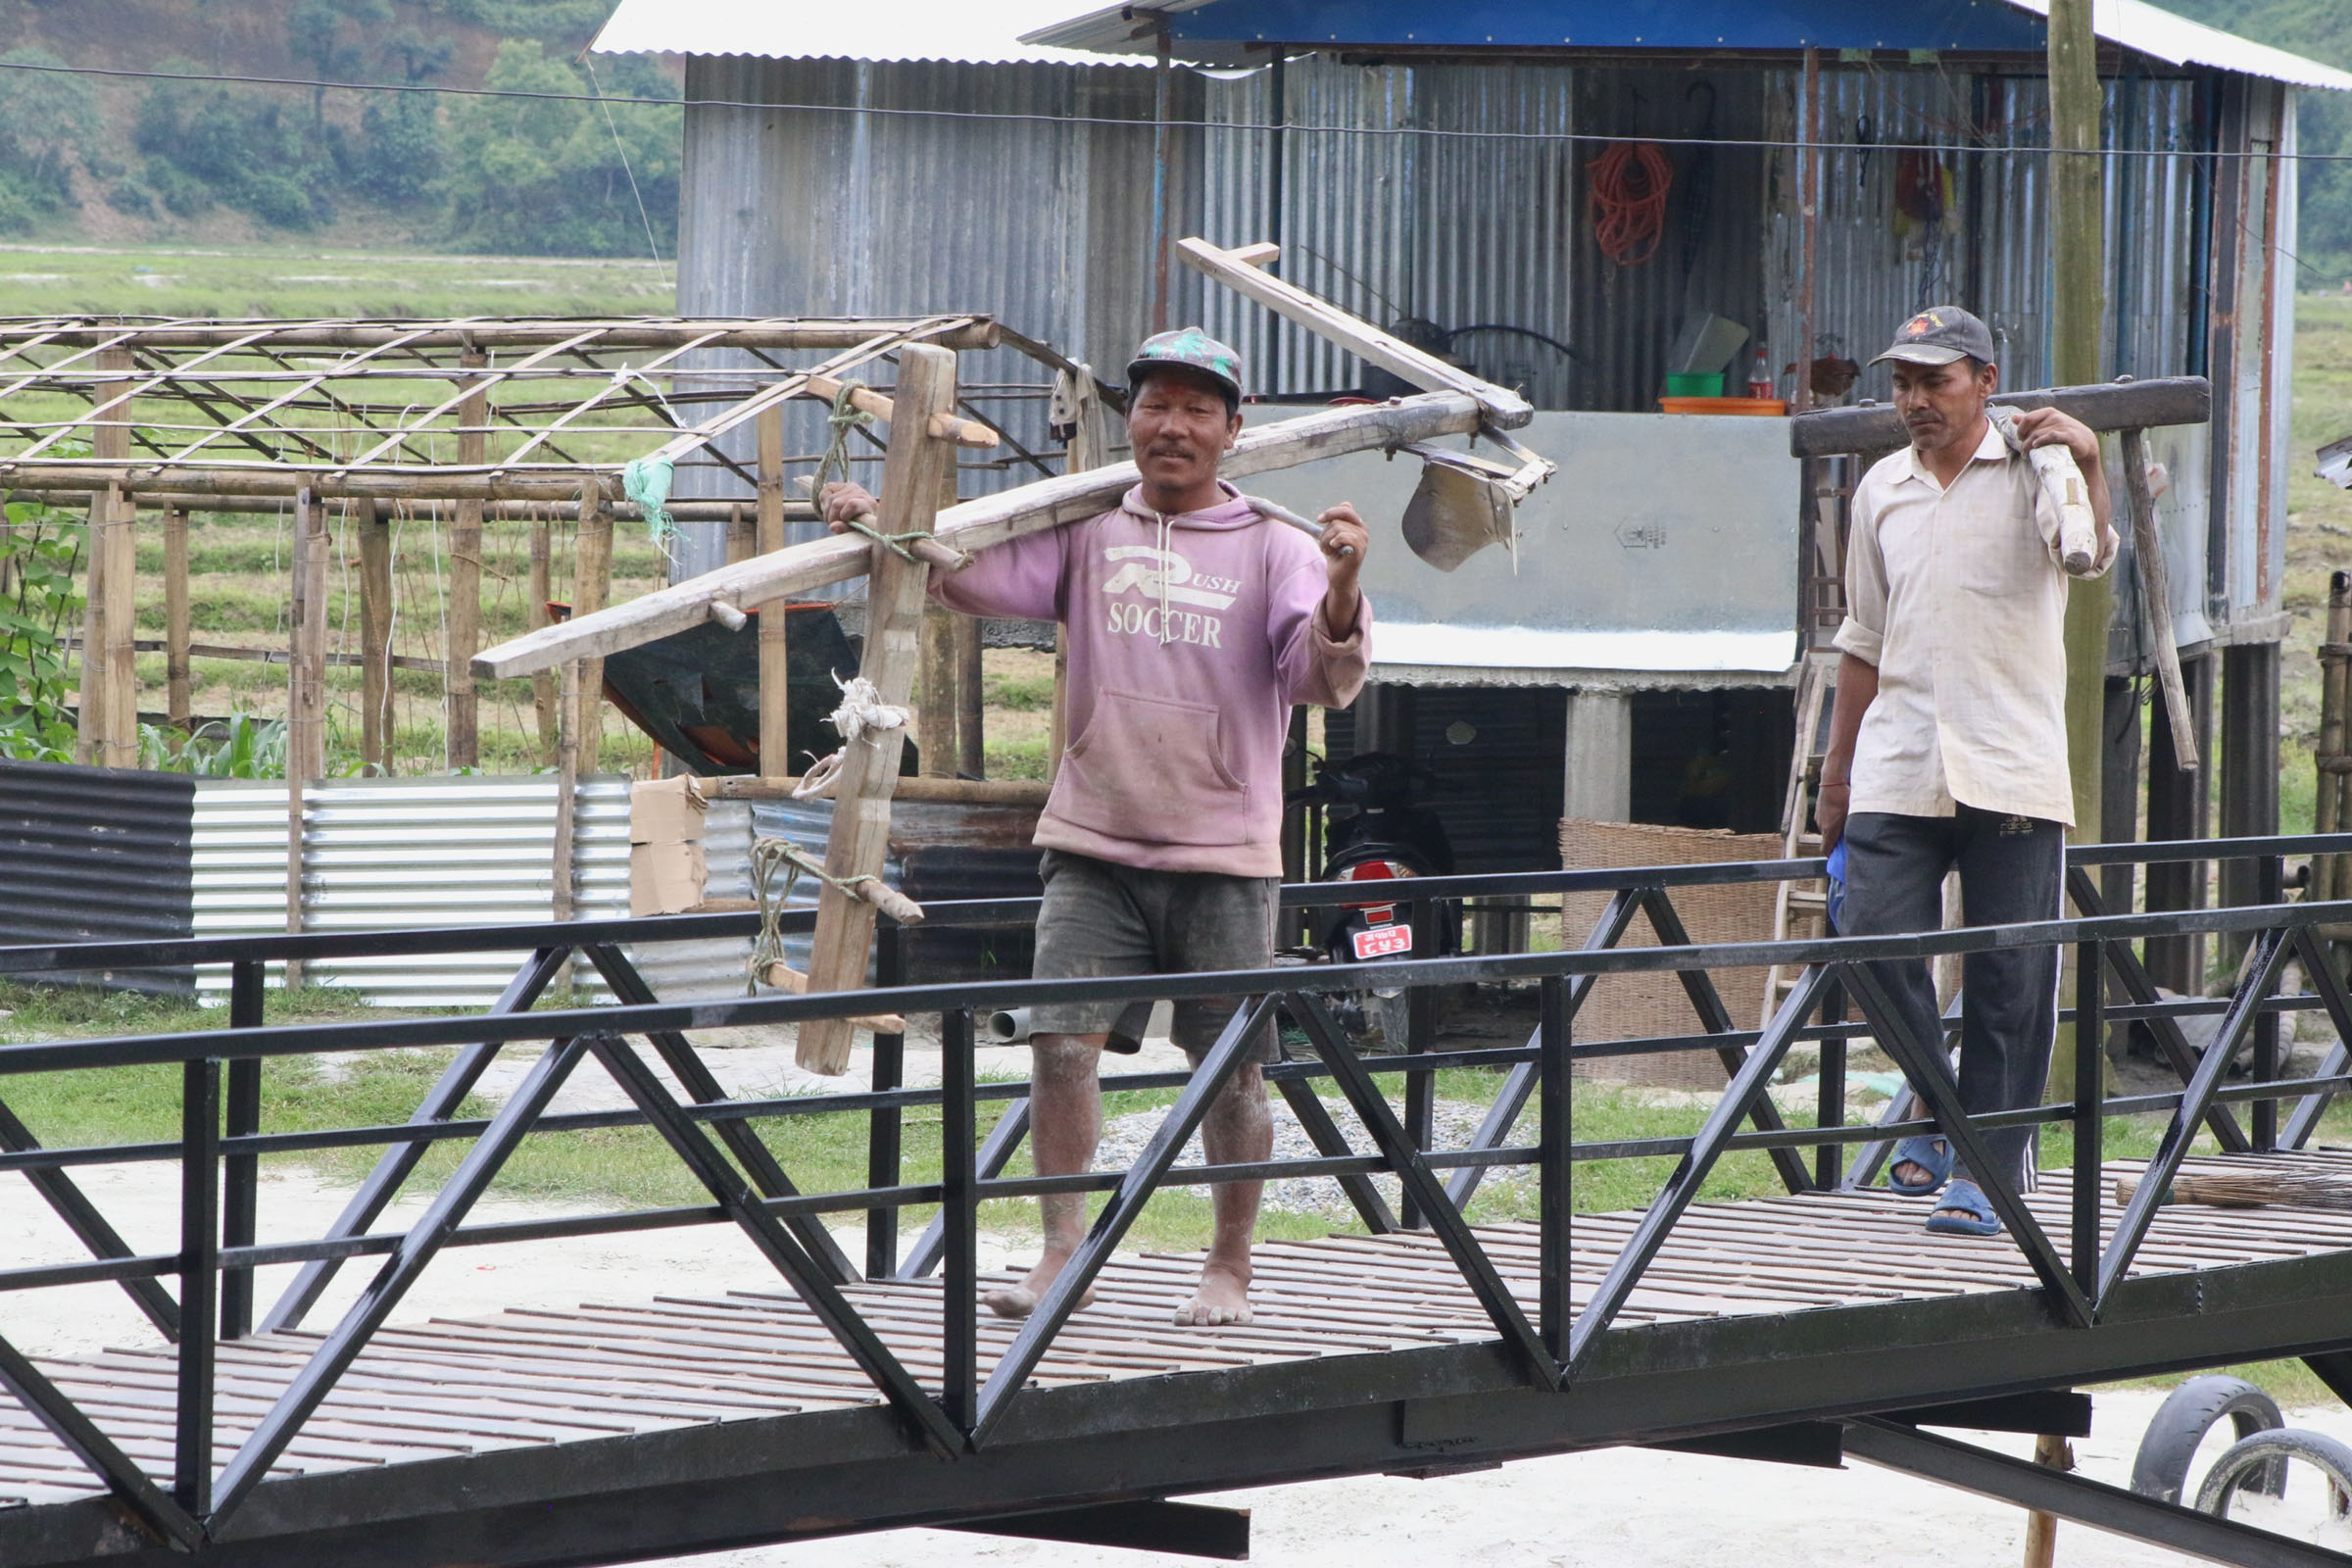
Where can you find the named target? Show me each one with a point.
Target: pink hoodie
(1189, 636)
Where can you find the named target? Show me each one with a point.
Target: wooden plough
(919, 461)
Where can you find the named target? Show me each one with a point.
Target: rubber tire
(2257, 1458)
(2160, 1469)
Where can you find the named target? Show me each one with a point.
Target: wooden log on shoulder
(2104, 406)
(973, 526)
(1239, 270)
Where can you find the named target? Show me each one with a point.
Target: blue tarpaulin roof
(1224, 29)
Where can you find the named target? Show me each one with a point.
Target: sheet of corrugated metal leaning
(96, 854)
(406, 851)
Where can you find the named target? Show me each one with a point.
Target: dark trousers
(2012, 868)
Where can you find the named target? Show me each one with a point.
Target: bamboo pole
(2336, 687)
(1089, 448)
(178, 700)
(120, 579)
(2042, 1529)
(543, 682)
(974, 524)
(306, 696)
(110, 443)
(912, 477)
(2076, 307)
(743, 532)
(775, 666)
(465, 575)
(591, 588)
(376, 639)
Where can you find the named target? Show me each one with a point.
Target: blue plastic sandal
(1930, 1155)
(1975, 1216)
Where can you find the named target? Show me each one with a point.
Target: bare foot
(1223, 1297)
(1020, 1301)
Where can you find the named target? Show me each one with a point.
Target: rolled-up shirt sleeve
(1864, 631)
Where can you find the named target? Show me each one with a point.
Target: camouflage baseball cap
(1941, 334)
(1194, 350)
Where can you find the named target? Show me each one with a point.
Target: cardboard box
(667, 810)
(666, 878)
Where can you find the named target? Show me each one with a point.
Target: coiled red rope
(1629, 184)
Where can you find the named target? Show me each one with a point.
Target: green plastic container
(1693, 384)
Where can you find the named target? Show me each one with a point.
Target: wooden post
(568, 794)
(913, 473)
(1089, 448)
(109, 442)
(742, 534)
(592, 586)
(178, 700)
(2077, 302)
(971, 743)
(2042, 1529)
(775, 668)
(306, 693)
(2336, 686)
(376, 639)
(934, 708)
(465, 576)
(544, 682)
(119, 670)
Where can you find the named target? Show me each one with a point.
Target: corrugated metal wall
(1039, 219)
(96, 854)
(1459, 232)
(404, 852)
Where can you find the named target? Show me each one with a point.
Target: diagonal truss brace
(2140, 986)
(394, 1166)
(53, 1408)
(743, 1141)
(89, 1227)
(2265, 960)
(319, 1376)
(2323, 978)
(1968, 1468)
(839, 1316)
(1682, 1186)
(1930, 1073)
(1216, 1069)
(1423, 1189)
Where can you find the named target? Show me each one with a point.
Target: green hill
(124, 159)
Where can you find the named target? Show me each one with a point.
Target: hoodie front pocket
(1149, 770)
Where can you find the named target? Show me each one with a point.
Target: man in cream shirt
(1947, 744)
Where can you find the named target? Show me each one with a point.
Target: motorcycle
(1376, 830)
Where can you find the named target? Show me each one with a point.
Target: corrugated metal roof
(986, 33)
(1711, 25)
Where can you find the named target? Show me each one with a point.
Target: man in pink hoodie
(1194, 625)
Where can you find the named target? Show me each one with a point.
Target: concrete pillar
(1600, 760)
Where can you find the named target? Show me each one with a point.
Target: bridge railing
(720, 1138)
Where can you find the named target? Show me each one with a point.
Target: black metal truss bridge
(826, 1396)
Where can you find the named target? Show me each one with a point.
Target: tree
(555, 177)
(44, 117)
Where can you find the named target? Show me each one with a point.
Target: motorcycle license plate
(1383, 942)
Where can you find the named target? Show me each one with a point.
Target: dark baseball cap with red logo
(1941, 334)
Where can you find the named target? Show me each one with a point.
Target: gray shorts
(1101, 918)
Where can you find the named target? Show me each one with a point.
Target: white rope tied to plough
(862, 711)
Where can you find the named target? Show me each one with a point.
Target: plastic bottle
(1760, 381)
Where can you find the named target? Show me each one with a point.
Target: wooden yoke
(914, 471)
